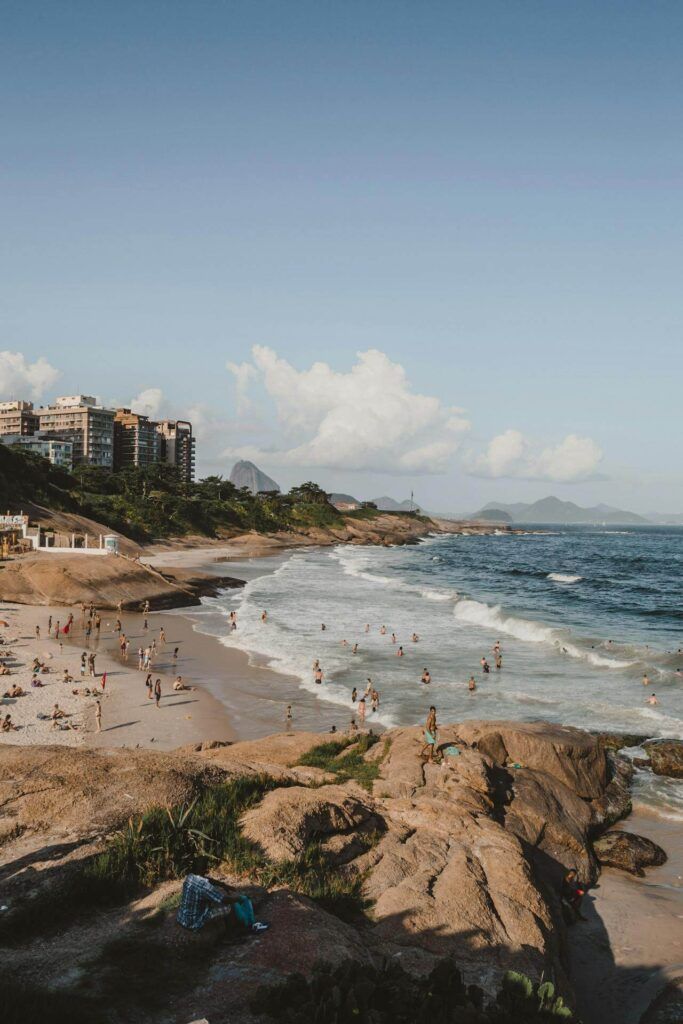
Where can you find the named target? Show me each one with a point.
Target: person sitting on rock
(572, 893)
(205, 898)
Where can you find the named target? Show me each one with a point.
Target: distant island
(553, 510)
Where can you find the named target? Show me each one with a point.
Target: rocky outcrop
(665, 757)
(628, 851)
(47, 579)
(461, 858)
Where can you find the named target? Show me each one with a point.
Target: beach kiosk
(111, 543)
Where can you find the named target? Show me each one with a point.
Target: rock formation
(628, 851)
(461, 858)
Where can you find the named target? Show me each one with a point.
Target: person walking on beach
(145, 625)
(149, 685)
(175, 653)
(162, 635)
(288, 716)
(49, 625)
(84, 662)
(37, 632)
(141, 655)
(98, 716)
(430, 734)
(91, 664)
(157, 692)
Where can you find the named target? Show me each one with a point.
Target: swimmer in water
(499, 661)
(399, 652)
(426, 677)
(485, 667)
(354, 695)
(354, 649)
(645, 680)
(652, 699)
(471, 686)
(318, 675)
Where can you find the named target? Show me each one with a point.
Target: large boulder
(628, 851)
(666, 757)
(570, 755)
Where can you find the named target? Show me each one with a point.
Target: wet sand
(631, 946)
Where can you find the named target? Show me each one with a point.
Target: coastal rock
(615, 802)
(460, 858)
(286, 820)
(548, 816)
(569, 755)
(628, 851)
(666, 757)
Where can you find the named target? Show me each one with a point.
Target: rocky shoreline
(462, 859)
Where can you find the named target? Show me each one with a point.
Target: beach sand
(129, 718)
(631, 946)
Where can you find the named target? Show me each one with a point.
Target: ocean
(581, 614)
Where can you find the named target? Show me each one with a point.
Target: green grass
(331, 758)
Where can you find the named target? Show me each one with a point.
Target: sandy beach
(129, 718)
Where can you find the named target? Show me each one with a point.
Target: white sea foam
(479, 614)
(561, 577)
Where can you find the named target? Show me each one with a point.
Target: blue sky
(487, 194)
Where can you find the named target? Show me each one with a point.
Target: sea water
(581, 615)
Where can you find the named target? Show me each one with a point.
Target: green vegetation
(149, 503)
(351, 765)
(168, 843)
(362, 994)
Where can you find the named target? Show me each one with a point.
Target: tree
(310, 493)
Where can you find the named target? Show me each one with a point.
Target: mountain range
(553, 510)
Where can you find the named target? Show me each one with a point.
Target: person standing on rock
(431, 734)
(572, 893)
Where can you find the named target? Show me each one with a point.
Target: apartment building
(58, 450)
(137, 442)
(89, 427)
(178, 446)
(17, 418)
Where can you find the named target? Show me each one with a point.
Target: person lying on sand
(14, 691)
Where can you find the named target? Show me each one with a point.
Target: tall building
(177, 446)
(57, 449)
(89, 427)
(137, 442)
(17, 418)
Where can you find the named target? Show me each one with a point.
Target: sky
(388, 246)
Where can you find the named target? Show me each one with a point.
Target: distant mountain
(553, 510)
(391, 505)
(246, 474)
(494, 515)
(347, 499)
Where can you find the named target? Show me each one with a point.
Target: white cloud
(148, 402)
(511, 454)
(365, 419)
(243, 373)
(20, 379)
